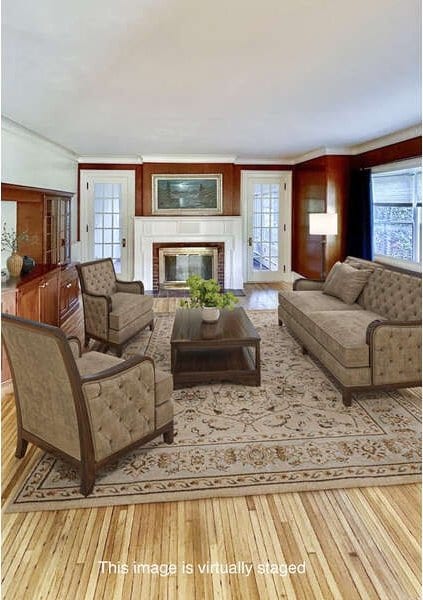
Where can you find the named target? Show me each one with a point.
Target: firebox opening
(177, 264)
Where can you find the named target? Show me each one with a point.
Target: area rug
(291, 434)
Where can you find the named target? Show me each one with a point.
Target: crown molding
(393, 138)
(111, 160)
(324, 151)
(264, 161)
(19, 130)
(186, 158)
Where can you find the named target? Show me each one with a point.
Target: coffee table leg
(172, 358)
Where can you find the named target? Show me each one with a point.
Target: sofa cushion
(394, 295)
(128, 307)
(299, 302)
(342, 333)
(345, 282)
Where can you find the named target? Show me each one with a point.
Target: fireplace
(222, 232)
(174, 262)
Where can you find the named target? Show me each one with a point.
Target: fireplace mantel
(149, 230)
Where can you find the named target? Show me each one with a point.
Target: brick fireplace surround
(224, 232)
(220, 258)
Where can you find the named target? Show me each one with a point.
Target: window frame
(416, 204)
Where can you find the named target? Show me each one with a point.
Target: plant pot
(210, 314)
(14, 264)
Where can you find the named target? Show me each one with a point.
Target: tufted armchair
(114, 311)
(88, 408)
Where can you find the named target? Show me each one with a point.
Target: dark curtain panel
(360, 218)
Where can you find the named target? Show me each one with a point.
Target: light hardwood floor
(355, 543)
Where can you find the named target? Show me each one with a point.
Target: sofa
(371, 343)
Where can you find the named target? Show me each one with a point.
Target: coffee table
(228, 350)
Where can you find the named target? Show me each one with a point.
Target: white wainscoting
(149, 230)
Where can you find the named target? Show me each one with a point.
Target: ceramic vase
(210, 314)
(14, 264)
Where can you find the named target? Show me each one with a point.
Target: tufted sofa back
(98, 277)
(394, 295)
(390, 293)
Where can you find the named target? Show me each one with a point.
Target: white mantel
(149, 230)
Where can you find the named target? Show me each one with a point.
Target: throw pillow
(346, 282)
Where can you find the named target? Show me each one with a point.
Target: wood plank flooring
(354, 544)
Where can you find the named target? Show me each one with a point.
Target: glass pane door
(107, 225)
(265, 227)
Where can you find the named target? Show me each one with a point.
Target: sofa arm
(308, 284)
(130, 287)
(395, 352)
(96, 314)
(120, 403)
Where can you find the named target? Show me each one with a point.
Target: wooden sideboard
(49, 293)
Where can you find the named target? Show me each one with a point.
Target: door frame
(87, 176)
(285, 217)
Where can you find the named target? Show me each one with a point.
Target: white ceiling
(269, 78)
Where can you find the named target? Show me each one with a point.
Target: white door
(107, 211)
(267, 204)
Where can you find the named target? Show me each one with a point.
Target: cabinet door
(29, 301)
(68, 293)
(50, 299)
(57, 229)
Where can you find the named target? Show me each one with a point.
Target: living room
(277, 150)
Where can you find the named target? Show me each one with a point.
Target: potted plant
(206, 294)
(10, 241)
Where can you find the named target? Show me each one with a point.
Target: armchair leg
(169, 435)
(151, 325)
(280, 322)
(347, 397)
(21, 446)
(86, 341)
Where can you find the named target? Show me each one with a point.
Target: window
(397, 213)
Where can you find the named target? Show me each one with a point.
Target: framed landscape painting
(187, 194)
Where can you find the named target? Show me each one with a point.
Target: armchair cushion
(94, 362)
(127, 307)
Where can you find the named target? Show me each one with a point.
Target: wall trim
(188, 158)
(111, 160)
(19, 130)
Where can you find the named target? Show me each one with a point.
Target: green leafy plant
(206, 292)
(10, 239)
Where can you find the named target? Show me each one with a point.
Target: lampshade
(323, 223)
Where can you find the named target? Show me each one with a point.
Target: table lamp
(323, 224)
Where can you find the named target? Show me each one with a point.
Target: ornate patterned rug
(292, 433)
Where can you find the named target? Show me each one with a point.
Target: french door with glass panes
(107, 209)
(268, 202)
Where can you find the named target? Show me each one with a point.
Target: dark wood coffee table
(228, 350)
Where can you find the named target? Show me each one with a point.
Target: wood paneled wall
(382, 156)
(320, 185)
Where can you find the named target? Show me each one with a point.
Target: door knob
(124, 243)
(250, 241)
